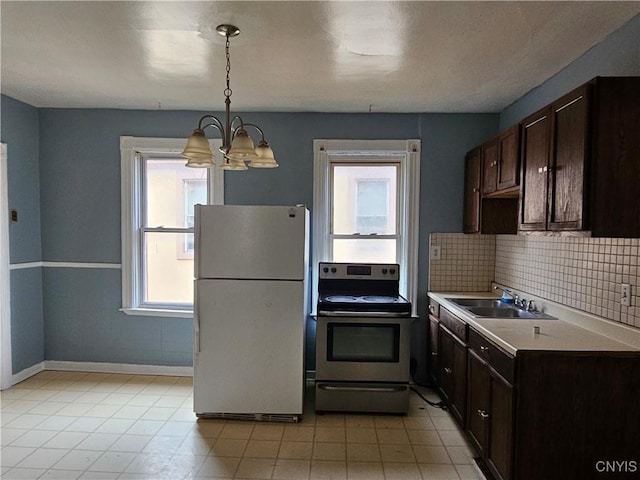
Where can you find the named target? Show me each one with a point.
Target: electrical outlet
(434, 252)
(14, 215)
(625, 298)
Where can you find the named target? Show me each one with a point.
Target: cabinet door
(432, 361)
(490, 153)
(509, 161)
(453, 373)
(471, 216)
(500, 446)
(568, 162)
(446, 363)
(459, 400)
(535, 165)
(478, 397)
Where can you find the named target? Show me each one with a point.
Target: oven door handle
(334, 388)
(343, 313)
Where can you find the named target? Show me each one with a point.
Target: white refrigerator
(250, 309)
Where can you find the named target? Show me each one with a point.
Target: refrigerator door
(251, 242)
(249, 347)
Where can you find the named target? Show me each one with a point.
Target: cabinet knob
(434, 354)
(475, 190)
(483, 414)
(543, 169)
(448, 371)
(494, 163)
(484, 349)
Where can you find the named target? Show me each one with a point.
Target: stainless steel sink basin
(493, 308)
(492, 312)
(480, 302)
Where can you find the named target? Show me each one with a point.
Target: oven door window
(362, 342)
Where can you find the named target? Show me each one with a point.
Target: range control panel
(359, 271)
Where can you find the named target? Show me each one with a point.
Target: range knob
(333, 270)
(392, 271)
(384, 271)
(325, 269)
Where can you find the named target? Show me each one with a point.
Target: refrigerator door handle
(196, 319)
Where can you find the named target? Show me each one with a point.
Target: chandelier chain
(227, 91)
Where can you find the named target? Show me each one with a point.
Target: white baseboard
(27, 373)
(127, 368)
(97, 367)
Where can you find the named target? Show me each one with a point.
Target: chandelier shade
(237, 146)
(242, 146)
(197, 151)
(265, 157)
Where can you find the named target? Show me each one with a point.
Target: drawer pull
(484, 349)
(434, 354)
(483, 414)
(448, 371)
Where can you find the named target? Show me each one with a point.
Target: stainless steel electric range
(362, 339)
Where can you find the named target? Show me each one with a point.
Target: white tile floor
(70, 425)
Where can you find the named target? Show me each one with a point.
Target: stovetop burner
(340, 298)
(380, 299)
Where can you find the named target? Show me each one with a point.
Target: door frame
(5, 295)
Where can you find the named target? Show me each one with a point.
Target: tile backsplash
(467, 262)
(583, 273)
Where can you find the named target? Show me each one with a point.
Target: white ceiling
(320, 56)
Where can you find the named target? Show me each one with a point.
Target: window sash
(133, 228)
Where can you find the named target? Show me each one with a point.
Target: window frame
(132, 177)
(407, 154)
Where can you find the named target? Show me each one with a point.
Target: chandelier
(237, 147)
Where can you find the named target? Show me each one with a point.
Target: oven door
(362, 349)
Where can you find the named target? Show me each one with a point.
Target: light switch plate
(625, 298)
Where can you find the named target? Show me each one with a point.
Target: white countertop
(563, 334)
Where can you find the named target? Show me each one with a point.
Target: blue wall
(81, 210)
(20, 131)
(617, 55)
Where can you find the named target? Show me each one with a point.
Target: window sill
(157, 312)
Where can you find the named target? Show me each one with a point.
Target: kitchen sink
(512, 312)
(494, 308)
(480, 302)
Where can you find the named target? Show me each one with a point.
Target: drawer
(457, 326)
(434, 308)
(498, 359)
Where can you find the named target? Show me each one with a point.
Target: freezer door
(249, 349)
(251, 242)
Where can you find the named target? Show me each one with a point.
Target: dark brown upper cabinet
(580, 165)
(500, 164)
(489, 214)
(471, 215)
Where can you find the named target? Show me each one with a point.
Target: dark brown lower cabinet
(490, 415)
(453, 373)
(433, 364)
(498, 456)
(541, 415)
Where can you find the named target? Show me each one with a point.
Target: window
(366, 195)
(158, 197)
(363, 211)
